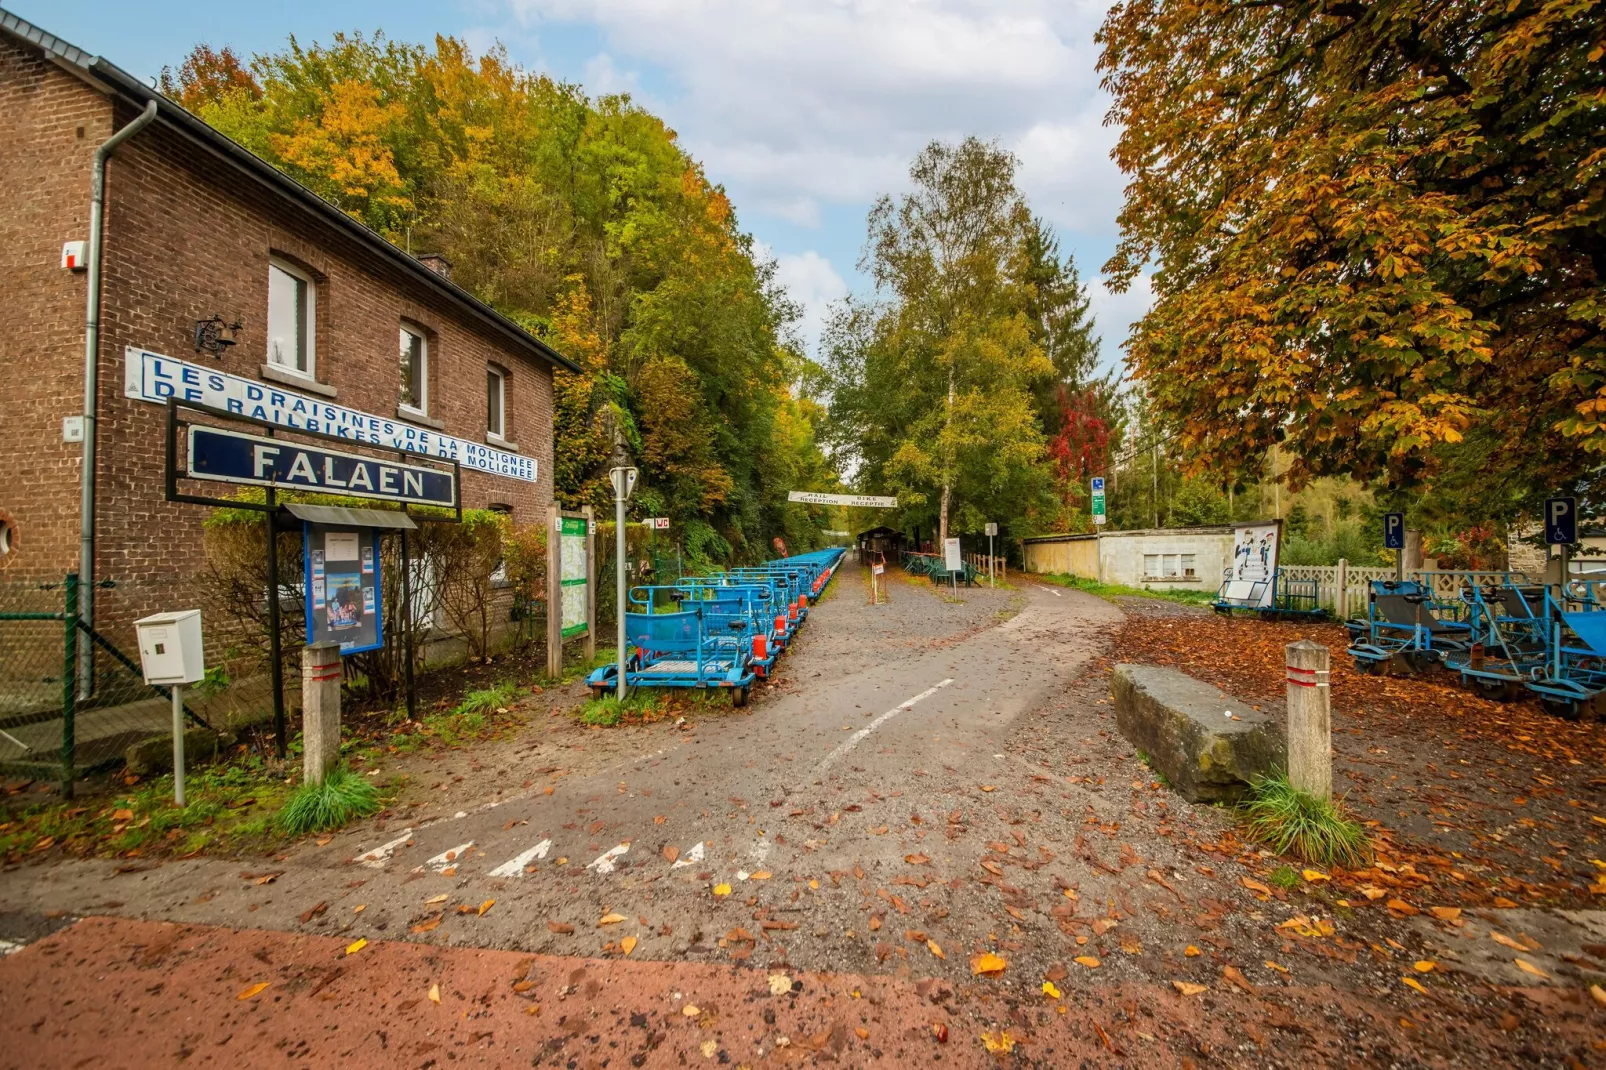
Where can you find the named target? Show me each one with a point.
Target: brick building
(336, 322)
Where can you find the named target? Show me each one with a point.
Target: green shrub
(343, 797)
(608, 710)
(1293, 822)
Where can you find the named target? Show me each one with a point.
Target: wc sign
(1394, 531)
(1561, 521)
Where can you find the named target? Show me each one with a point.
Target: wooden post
(591, 582)
(1341, 595)
(554, 593)
(1310, 727)
(320, 709)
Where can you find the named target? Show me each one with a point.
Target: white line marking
(514, 867)
(691, 857)
(450, 858)
(381, 854)
(604, 862)
(859, 736)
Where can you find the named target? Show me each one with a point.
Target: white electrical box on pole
(624, 482)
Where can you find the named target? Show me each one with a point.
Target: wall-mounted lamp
(214, 336)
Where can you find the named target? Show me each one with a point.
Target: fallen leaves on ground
(1529, 968)
(998, 1044)
(428, 924)
(256, 989)
(1189, 988)
(610, 919)
(628, 944)
(987, 964)
(1051, 990)
(1090, 961)
(356, 946)
(434, 993)
(721, 890)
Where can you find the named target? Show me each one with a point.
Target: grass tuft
(608, 710)
(343, 797)
(1293, 822)
(486, 700)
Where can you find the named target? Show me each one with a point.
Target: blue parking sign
(1098, 484)
(1561, 521)
(1394, 531)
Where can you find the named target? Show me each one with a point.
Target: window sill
(288, 378)
(414, 416)
(501, 443)
(1170, 579)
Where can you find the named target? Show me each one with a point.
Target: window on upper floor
(292, 298)
(414, 369)
(495, 401)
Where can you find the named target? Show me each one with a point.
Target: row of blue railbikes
(719, 631)
(1501, 633)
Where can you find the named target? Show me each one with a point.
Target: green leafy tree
(936, 384)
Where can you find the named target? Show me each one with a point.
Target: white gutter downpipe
(86, 499)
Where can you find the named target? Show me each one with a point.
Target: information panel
(572, 577)
(1254, 565)
(342, 577)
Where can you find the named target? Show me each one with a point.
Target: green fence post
(69, 686)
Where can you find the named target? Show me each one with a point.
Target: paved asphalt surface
(807, 880)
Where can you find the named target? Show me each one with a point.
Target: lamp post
(624, 481)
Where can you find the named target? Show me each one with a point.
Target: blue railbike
(1402, 624)
(724, 630)
(1574, 674)
(1291, 598)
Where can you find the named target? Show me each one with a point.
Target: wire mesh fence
(72, 699)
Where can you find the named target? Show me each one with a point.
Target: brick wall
(186, 238)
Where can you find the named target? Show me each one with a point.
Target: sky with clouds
(804, 110)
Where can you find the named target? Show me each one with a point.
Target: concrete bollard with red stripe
(1310, 720)
(320, 709)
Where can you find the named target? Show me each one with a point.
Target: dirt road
(924, 783)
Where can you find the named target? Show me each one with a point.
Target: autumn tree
(1377, 234)
(585, 221)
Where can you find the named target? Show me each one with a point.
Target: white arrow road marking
(859, 736)
(450, 858)
(691, 857)
(604, 863)
(514, 867)
(381, 854)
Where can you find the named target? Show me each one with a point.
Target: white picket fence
(1342, 587)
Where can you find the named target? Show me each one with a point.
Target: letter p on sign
(1561, 521)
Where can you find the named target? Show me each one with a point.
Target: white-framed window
(1151, 564)
(1189, 562)
(495, 401)
(292, 314)
(414, 369)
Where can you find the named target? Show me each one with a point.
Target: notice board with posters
(343, 592)
(1253, 570)
(572, 575)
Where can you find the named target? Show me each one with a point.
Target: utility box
(170, 647)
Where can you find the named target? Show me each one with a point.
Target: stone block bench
(1181, 724)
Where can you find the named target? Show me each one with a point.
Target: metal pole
(407, 625)
(274, 653)
(992, 576)
(619, 569)
(69, 688)
(86, 487)
(178, 744)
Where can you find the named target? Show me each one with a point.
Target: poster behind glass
(342, 577)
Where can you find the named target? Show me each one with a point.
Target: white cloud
(789, 100)
(813, 283)
(1114, 314)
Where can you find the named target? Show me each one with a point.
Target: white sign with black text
(153, 377)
